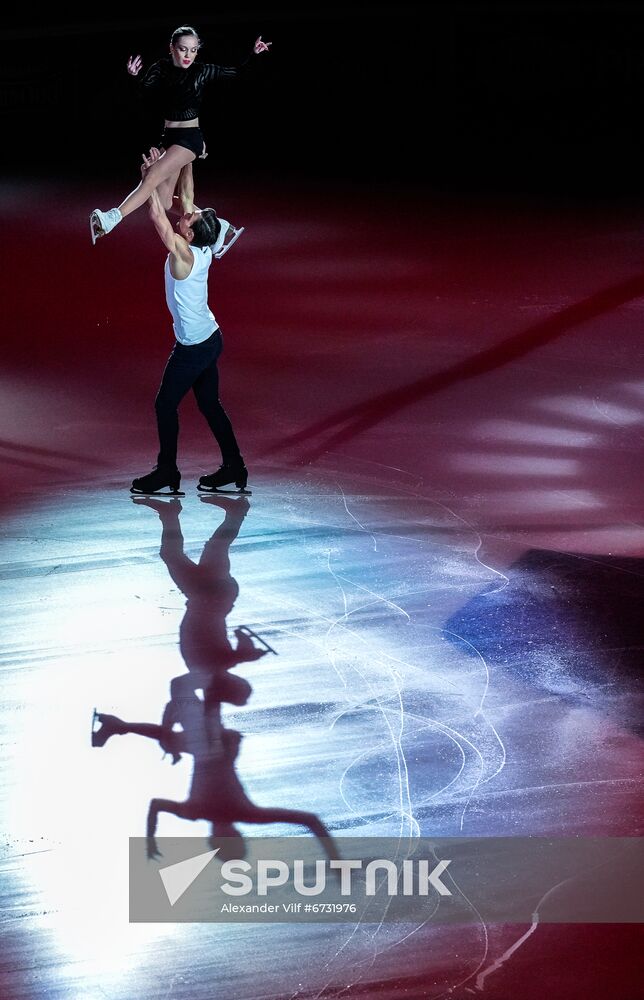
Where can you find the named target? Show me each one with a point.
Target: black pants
(193, 368)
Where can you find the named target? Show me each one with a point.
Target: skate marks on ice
(419, 705)
(385, 694)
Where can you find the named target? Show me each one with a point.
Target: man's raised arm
(156, 210)
(162, 223)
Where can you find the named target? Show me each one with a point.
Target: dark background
(497, 96)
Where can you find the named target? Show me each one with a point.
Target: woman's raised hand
(261, 46)
(134, 65)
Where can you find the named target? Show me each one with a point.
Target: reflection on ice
(422, 686)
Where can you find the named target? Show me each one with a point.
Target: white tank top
(187, 299)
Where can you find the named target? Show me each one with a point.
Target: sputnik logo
(178, 878)
(271, 874)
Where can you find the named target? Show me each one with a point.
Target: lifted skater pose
(192, 364)
(193, 725)
(216, 793)
(179, 81)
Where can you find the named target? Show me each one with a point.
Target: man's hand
(134, 65)
(258, 47)
(152, 157)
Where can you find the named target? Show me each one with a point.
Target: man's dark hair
(206, 228)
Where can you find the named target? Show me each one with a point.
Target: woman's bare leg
(166, 190)
(259, 814)
(111, 725)
(163, 170)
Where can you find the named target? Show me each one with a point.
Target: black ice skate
(224, 476)
(155, 483)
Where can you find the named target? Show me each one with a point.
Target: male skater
(199, 236)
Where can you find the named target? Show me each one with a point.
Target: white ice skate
(228, 235)
(101, 223)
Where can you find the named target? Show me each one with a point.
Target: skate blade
(226, 247)
(233, 493)
(94, 728)
(253, 635)
(157, 493)
(95, 228)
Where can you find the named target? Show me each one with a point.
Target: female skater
(180, 82)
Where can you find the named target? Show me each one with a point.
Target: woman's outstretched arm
(211, 71)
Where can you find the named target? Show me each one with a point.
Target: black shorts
(190, 138)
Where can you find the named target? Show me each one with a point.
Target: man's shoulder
(181, 259)
(203, 255)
